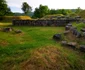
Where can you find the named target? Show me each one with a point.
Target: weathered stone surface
(7, 29)
(70, 25)
(78, 35)
(18, 31)
(45, 22)
(57, 37)
(72, 28)
(64, 43)
(83, 29)
(83, 34)
(67, 27)
(75, 31)
(82, 48)
(72, 44)
(66, 32)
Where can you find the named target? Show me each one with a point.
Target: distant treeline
(44, 10)
(39, 12)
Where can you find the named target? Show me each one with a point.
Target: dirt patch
(46, 58)
(70, 37)
(3, 43)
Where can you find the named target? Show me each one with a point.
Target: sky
(16, 5)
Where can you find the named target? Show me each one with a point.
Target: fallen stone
(72, 28)
(66, 32)
(72, 44)
(75, 31)
(18, 31)
(83, 34)
(70, 25)
(57, 37)
(67, 28)
(78, 35)
(83, 29)
(8, 29)
(64, 43)
(82, 48)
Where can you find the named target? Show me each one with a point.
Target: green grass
(79, 25)
(16, 48)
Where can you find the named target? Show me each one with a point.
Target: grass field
(34, 49)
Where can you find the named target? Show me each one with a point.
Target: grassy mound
(49, 58)
(22, 17)
(52, 16)
(10, 18)
(73, 15)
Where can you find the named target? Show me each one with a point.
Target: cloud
(15, 3)
(55, 4)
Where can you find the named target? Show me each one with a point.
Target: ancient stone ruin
(57, 37)
(7, 29)
(69, 29)
(10, 29)
(59, 21)
(82, 48)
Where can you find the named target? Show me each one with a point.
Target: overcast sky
(15, 5)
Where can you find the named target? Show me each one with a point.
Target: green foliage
(26, 8)
(41, 11)
(4, 10)
(54, 16)
(78, 10)
(53, 11)
(61, 11)
(79, 25)
(8, 12)
(3, 7)
(44, 10)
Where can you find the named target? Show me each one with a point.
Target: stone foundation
(57, 22)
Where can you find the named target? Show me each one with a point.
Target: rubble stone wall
(58, 22)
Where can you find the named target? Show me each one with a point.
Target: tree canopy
(78, 10)
(26, 8)
(41, 11)
(4, 9)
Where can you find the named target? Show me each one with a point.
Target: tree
(3, 7)
(8, 12)
(41, 11)
(78, 10)
(26, 8)
(53, 11)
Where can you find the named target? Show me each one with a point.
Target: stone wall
(51, 22)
